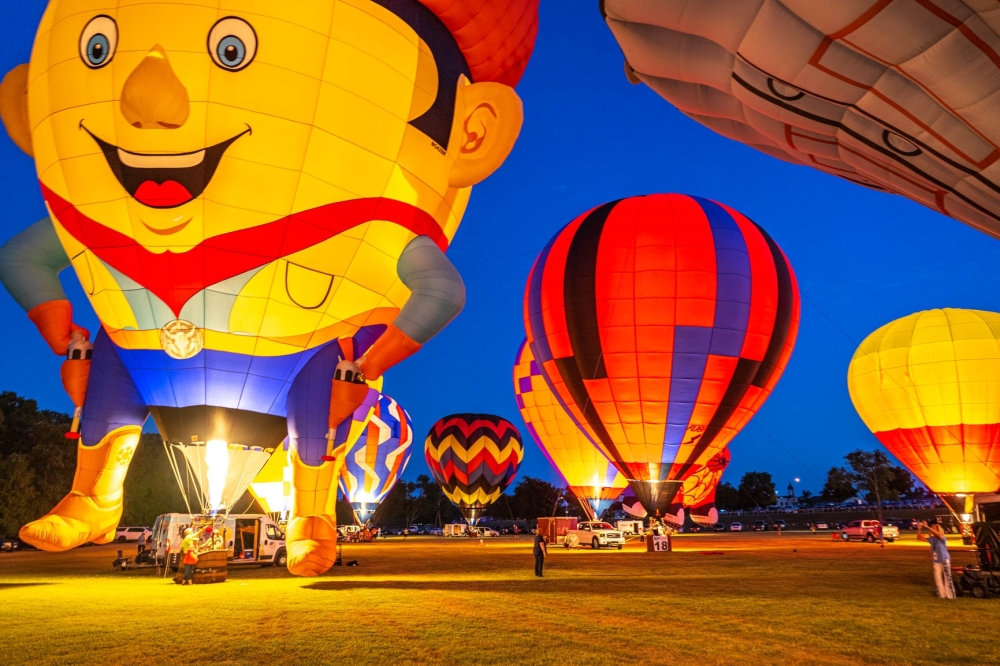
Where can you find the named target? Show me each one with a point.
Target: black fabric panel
(579, 294)
(436, 121)
(783, 317)
(234, 426)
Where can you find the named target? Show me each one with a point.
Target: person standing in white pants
(939, 556)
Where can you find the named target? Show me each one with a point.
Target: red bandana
(176, 277)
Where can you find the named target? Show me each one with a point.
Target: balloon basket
(212, 567)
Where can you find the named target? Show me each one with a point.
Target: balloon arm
(30, 264)
(437, 291)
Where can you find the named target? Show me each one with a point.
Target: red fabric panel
(496, 36)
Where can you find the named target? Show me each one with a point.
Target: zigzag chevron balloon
(473, 457)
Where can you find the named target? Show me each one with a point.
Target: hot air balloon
(898, 96)
(261, 233)
(698, 491)
(928, 386)
(662, 323)
(377, 459)
(473, 457)
(591, 477)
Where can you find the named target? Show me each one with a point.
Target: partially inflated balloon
(591, 477)
(698, 492)
(376, 461)
(473, 457)
(900, 96)
(662, 323)
(928, 386)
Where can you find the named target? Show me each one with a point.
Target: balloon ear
(14, 107)
(488, 120)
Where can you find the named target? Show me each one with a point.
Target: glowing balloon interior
(213, 475)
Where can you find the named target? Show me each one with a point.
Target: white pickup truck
(596, 534)
(869, 530)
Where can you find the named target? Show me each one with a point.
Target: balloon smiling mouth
(164, 180)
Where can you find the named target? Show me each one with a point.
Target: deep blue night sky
(862, 258)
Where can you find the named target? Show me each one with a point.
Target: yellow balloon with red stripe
(928, 386)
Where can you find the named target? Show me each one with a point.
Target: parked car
(822, 525)
(595, 534)
(869, 530)
(735, 527)
(9, 544)
(123, 534)
(759, 525)
(485, 531)
(780, 524)
(719, 527)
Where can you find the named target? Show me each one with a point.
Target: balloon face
(662, 323)
(245, 180)
(375, 463)
(928, 386)
(837, 86)
(591, 477)
(473, 457)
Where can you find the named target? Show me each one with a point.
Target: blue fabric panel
(112, 400)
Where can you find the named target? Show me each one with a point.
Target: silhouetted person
(540, 550)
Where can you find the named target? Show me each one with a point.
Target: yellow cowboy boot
(93, 507)
(311, 537)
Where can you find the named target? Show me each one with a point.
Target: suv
(719, 527)
(869, 530)
(735, 527)
(595, 534)
(9, 544)
(780, 524)
(123, 534)
(484, 531)
(759, 525)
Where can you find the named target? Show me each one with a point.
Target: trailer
(455, 530)
(554, 529)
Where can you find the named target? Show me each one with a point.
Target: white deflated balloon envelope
(900, 95)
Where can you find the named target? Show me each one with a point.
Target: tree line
(37, 465)
(868, 474)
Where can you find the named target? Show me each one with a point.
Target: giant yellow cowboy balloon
(257, 198)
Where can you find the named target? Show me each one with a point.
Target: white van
(252, 538)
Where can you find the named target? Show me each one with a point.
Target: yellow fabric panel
(578, 461)
(326, 98)
(934, 368)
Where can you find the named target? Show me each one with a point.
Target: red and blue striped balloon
(662, 322)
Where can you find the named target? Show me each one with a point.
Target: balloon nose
(153, 97)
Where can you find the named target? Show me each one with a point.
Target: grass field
(793, 599)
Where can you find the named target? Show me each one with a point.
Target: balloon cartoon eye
(899, 144)
(98, 41)
(232, 43)
(784, 91)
